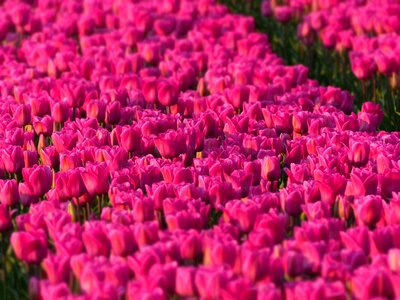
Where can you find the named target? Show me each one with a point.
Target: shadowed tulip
(5, 219)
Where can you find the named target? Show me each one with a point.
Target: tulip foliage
(161, 150)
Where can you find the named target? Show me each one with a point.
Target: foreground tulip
(171, 144)
(70, 184)
(12, 159)
(128, 137)
(95, 178)
(185, 286)
(95, 239)
(29, 246)
(38, 180)
(9, 195)
(57, 268)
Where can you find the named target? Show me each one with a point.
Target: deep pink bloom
(5, 219)
(95, 178)
(171, 144)
(12, 159)
(271, 168)
(9, 194)
(70, 184)
(29, 246)
(95, 239)
(38, 179)
(57, 268)
(168, 93)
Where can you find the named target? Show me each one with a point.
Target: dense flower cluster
(161, 149)
(369, 30)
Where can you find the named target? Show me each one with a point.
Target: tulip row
(162, 150)
(351, 44)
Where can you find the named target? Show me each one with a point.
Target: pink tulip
(95, 239)
(57, 268)
(70, 184)
(12, 159)
(9, 192)
(5, 219)
(171, 144)
(38, 180)
(95, 178)
(29, 246)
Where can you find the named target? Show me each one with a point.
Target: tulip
(185, 285)
(113, 112)
(73, 94)
(270, 168)
(356, 239)
(22, 114)
(292, 200)
(142, 261)
(171, 144)
(209, 282)
(69, 160)
(57, 268)
(128, 137)
(12, 159)
(70, 184)
(29, 246)
(368, 283)
(95, 239)
(282, 13)
(389, 182)
(9, 192)
(145, 233)
(363, 66)
(122, 241)
(167, 93)
(49, 157)
(38, 180)
(369, 210)
(359, 153)
(95, 178)
(362, 183)
(43, 126)
(293, 263)
(238, 95)
(5, 219)
(60, 112)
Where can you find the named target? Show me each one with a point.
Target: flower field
(173, 150)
